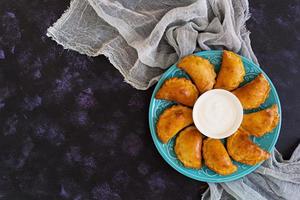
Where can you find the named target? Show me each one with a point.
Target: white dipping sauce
(217, 113)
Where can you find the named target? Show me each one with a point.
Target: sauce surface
(217, 113)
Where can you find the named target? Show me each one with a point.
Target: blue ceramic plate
(266, 142)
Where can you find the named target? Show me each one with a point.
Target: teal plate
(266, 142)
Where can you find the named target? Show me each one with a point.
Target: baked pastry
(232, 72)
(261, 122)
(172, 120)
(254, 93)
(181, 90)
(216, 157)
(188, 147)
(242, 149)
(200, 70)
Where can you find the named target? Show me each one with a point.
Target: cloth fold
(276, 178)
(142, 38)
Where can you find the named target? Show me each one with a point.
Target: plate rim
(182, 171)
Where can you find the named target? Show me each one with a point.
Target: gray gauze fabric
(142, 38)
(274, 179)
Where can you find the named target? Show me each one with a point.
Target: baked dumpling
(242, 149)
(200, 70)
(216, 157)
(181, 90)
(232, 72)
(253, 94)
(172, 120)
(261, 122)
(188, 147)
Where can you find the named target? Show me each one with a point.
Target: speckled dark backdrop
(70, 128)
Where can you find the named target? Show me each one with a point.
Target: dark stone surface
(72, 129)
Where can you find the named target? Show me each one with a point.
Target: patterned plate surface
(267, 142)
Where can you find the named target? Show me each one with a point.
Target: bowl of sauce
(217, 113)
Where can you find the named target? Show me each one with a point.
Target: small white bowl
(217, 113)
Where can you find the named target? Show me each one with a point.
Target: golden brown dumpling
(261, 122)
(181, 90)
(242, 149)
(216, 157)
(200, 70)
(172, 120)
(232, 72)
(253, 94)
(188, 147)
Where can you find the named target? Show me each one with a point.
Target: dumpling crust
(232, 72)
(172, 120)
(188, 147)
(181, 90)
(216, 157)
(253, 94)
(200, 70)
(261, 122)
(242, 149)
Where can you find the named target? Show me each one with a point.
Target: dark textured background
(72, 129)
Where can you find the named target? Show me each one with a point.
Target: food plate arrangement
(190, 152)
